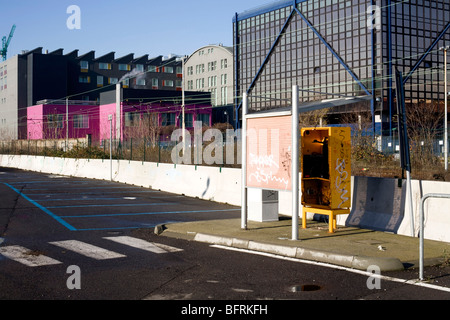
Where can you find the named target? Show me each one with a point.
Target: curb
(348, 261)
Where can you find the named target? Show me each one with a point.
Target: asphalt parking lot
(83, 204)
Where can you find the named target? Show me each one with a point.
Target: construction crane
(5, 43)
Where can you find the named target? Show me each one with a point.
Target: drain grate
(305, 288)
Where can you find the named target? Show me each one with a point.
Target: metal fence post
(422, 228)
(244, 212)
(295, 164)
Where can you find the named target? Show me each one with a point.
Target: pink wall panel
(269, 153)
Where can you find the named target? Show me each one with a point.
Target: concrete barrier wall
(378, 204)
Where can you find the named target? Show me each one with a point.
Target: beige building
(210, 69)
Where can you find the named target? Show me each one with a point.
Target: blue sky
(133, 26)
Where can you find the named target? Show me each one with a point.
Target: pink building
(141, 113)
(49, 120)
(143, 120)
(150, 113)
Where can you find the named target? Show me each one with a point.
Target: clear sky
(123, 26)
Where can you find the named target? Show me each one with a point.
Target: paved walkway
(349, 247)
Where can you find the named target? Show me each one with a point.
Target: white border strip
(415, 282)
(26, 256)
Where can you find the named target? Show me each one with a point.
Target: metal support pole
(110, 117)
(67, 124)
(183, 114)
(446, 115)
(295, 163)
(422, 228)
(244, 209)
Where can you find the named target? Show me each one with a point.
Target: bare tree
(424, 120)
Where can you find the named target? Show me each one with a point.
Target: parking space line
(113, 205)
(86, 188)
(51, 214)
(147, 213)
(90, 193)
(97, 199)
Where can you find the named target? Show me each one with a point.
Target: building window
(100, 81)
(224, 79)
(168, 83)
(168, 119)
(104, 66)
(200, 68)
(126, 83)
(84, 65)
(179, 83)
(212, 66)
(168, 69)
(155, 83)
(55, 121)
(113, 80)
(152, 69)
(84, 79)
(140, 82)
(140, 67)
(124, 67)
(189, 120)
(132, 119)
(212, 81)
(224, 93)
(179, 70)
(224, 63)
(81, 121)
(204, 118)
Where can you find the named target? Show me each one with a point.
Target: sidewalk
(347, 247)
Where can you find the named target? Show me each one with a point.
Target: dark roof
(87, 56)
(125, 59)
(106, 58)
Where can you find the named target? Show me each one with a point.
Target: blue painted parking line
(147, 213)
(85, 188)
(113, 205)
(51, 214)
(98, 199)
(90, 193)
(77, 199)
(48, 182)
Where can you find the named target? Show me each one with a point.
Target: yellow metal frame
(333, 190)
(330, 213)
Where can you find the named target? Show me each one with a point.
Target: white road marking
(88, 250)
(415, 282)
(35, 259)
(168, 248)
(27, 257)
(144, 245)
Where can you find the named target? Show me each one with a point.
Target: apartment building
(210, 69)
(33, 76)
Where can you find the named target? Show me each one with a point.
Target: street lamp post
(183, 126)
(445, 49)
(110, 118)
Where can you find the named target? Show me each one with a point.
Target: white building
(210, 68)
(9, 100)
